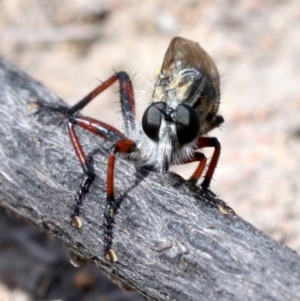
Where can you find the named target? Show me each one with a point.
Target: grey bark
(171, 243)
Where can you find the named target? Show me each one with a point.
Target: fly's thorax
(190, 86)
(193, 86)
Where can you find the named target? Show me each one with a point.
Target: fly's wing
(190, 54)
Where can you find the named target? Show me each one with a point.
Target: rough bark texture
(171, 244)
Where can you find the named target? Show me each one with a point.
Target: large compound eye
(152, 119)
(187, 123)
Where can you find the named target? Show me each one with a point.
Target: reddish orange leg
(125, 146)
(126, 97)
(100, 129)
(199, 170)
(205, 142)
(121, 144)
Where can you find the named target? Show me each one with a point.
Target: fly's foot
(111, 256)
(42, 107)
(109, 221)
(74, 216)
(205, 184)
(208, 195)
(226, 209)
(191, 185)
(76, 222)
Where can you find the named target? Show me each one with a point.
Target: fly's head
(185, 100)
(170, 128)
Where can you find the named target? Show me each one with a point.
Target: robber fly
(184, 107)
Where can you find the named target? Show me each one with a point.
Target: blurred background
(70, 46)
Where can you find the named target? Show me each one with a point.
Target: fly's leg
(216, 121)
(128, 111)
(205, 142)
(88, 176)
(210, 142)
(125, 146)
(100, 129)
(199, 170)
(126, 100)
(121, 145)
(105, 131)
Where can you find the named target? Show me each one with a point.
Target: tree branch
(172, 244)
